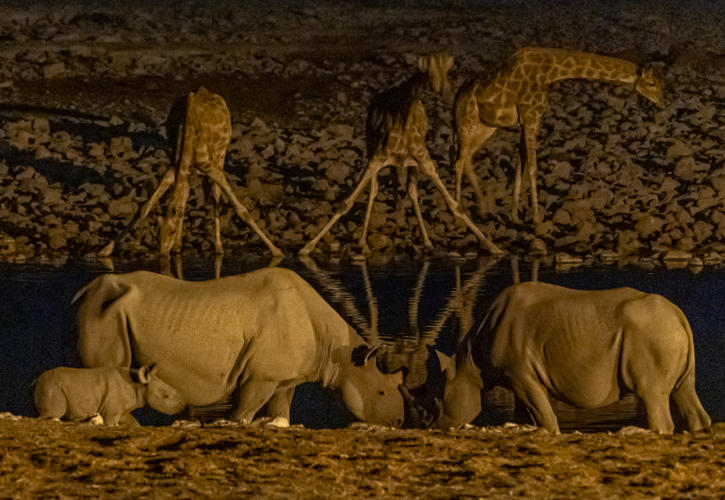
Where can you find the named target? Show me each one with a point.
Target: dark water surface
(433, 302)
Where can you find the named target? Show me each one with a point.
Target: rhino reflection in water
(587, 348)
(257, 335)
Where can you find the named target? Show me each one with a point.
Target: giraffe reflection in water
(413, 350)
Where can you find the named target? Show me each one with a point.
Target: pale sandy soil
(41, 459)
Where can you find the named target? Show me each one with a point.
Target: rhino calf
(587, 348)
(80, 393)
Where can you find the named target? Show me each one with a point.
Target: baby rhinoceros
(80, 393)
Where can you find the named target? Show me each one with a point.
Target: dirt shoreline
(45, 459)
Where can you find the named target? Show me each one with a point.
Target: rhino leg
(129, 420)
(251, 396)
(657, 405)
(279, 407)
(687, 401)
(534, 396)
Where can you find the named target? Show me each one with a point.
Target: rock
(120, 146)
(702, 230)
(337, 173)
(562, 258)
(56, 238)
(41, 126)
(696, 265)
(627, 242)
(379, 241)
(122, 208)
(607, 256)
(259, 127)
(53, 70)
(96, 150)
(245, 146)
(647, 225)
(678, 150)
(561, 217)
(677, 255)
(718, 182)
(688, 169)
(711, 259)
(343, 132)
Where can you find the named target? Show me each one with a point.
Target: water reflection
(412, 305)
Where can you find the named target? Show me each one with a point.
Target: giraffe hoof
(537, 247)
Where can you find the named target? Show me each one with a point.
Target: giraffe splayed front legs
(517, 96)
(395, 132)
(202, 143)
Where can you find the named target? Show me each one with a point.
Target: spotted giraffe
(395, 131)
(517, 96)
(202, 143)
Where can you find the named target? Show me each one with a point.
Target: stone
(677, 255)
(702, 230)
(678, 150)
(259, 127)
(647, 225)
(337, 173)
(56, 238)
(120, 146)
(718, 182)
(122, 208)
(53, 70)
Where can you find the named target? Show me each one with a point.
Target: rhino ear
(145, 373)
(448, 365)
(362, 353)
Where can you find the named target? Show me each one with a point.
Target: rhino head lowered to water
(584, 347)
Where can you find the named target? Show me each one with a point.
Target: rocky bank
(85, 92)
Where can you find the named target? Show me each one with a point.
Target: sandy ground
(85, 94)
(45, 459)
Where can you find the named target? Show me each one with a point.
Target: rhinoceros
(81, 393)
(586, 348)
(256, 335)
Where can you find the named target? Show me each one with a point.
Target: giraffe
(202, 143)
(395, 131)
(517, 96)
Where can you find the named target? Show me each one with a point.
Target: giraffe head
(650, 84)
(437, 66)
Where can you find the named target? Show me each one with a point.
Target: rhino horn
(362, 353)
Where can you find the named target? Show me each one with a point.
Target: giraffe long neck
(580, 65)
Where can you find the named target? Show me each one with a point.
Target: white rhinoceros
(80, 393)
(259, 334)
(584, 347)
